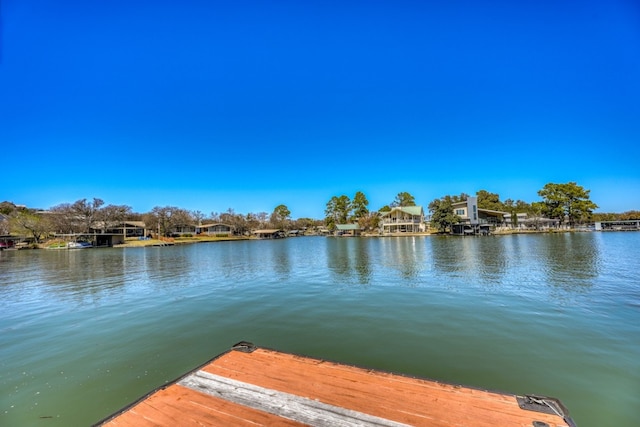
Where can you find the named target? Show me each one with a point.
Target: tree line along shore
(569, 203)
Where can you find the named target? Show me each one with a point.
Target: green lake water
(85, 332)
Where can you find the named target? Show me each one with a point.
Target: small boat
(79, 245)
(248, 385)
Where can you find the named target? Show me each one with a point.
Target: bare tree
(227, 217)
(86, 213)
(167, 218)
(113, 215)
(369, 221)
(25, 222)
(262, 218)
(63, 220)
(198, 216)
(7, 208)
(4, 225)
(252, 222)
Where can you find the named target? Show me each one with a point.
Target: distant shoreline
(152, 242)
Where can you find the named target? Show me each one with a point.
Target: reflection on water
(572, 260)
(448, 256)
(480, 258)
(491, 260)
(358, 260)
(405, 255)
(566, 260)
(349, 260)
(569, 261)
(281, 258)
(80, 275)
(363, 264)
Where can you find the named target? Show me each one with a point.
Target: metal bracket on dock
(244, 346)
(546, 405)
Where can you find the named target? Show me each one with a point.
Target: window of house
(459, 211)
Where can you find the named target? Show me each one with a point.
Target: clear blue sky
(210, 105)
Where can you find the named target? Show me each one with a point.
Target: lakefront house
(217, 229)
(403, 220)
(474, 220)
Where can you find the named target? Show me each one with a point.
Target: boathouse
(348, 230)
(274, 233)
(629, 225)
(522, 221)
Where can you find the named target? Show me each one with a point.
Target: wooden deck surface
(267, 387)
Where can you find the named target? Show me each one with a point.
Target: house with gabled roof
(403, 220)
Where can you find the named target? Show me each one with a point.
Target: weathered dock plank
(266, 387)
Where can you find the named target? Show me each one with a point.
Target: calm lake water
(83, 333)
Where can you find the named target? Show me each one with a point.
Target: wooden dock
(249, 386)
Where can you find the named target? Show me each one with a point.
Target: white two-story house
(403, 219)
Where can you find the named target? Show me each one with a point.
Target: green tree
(536, 213)
(337, 211)
(281, 216)
(570, 201)
(359, 206)
(629, 215)
(510, 206)
(491, 201)
(403, 199)
(442, 216)
(522, 206)
(305, 223)
(515, 207)
(460, 198)
(605, 216)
